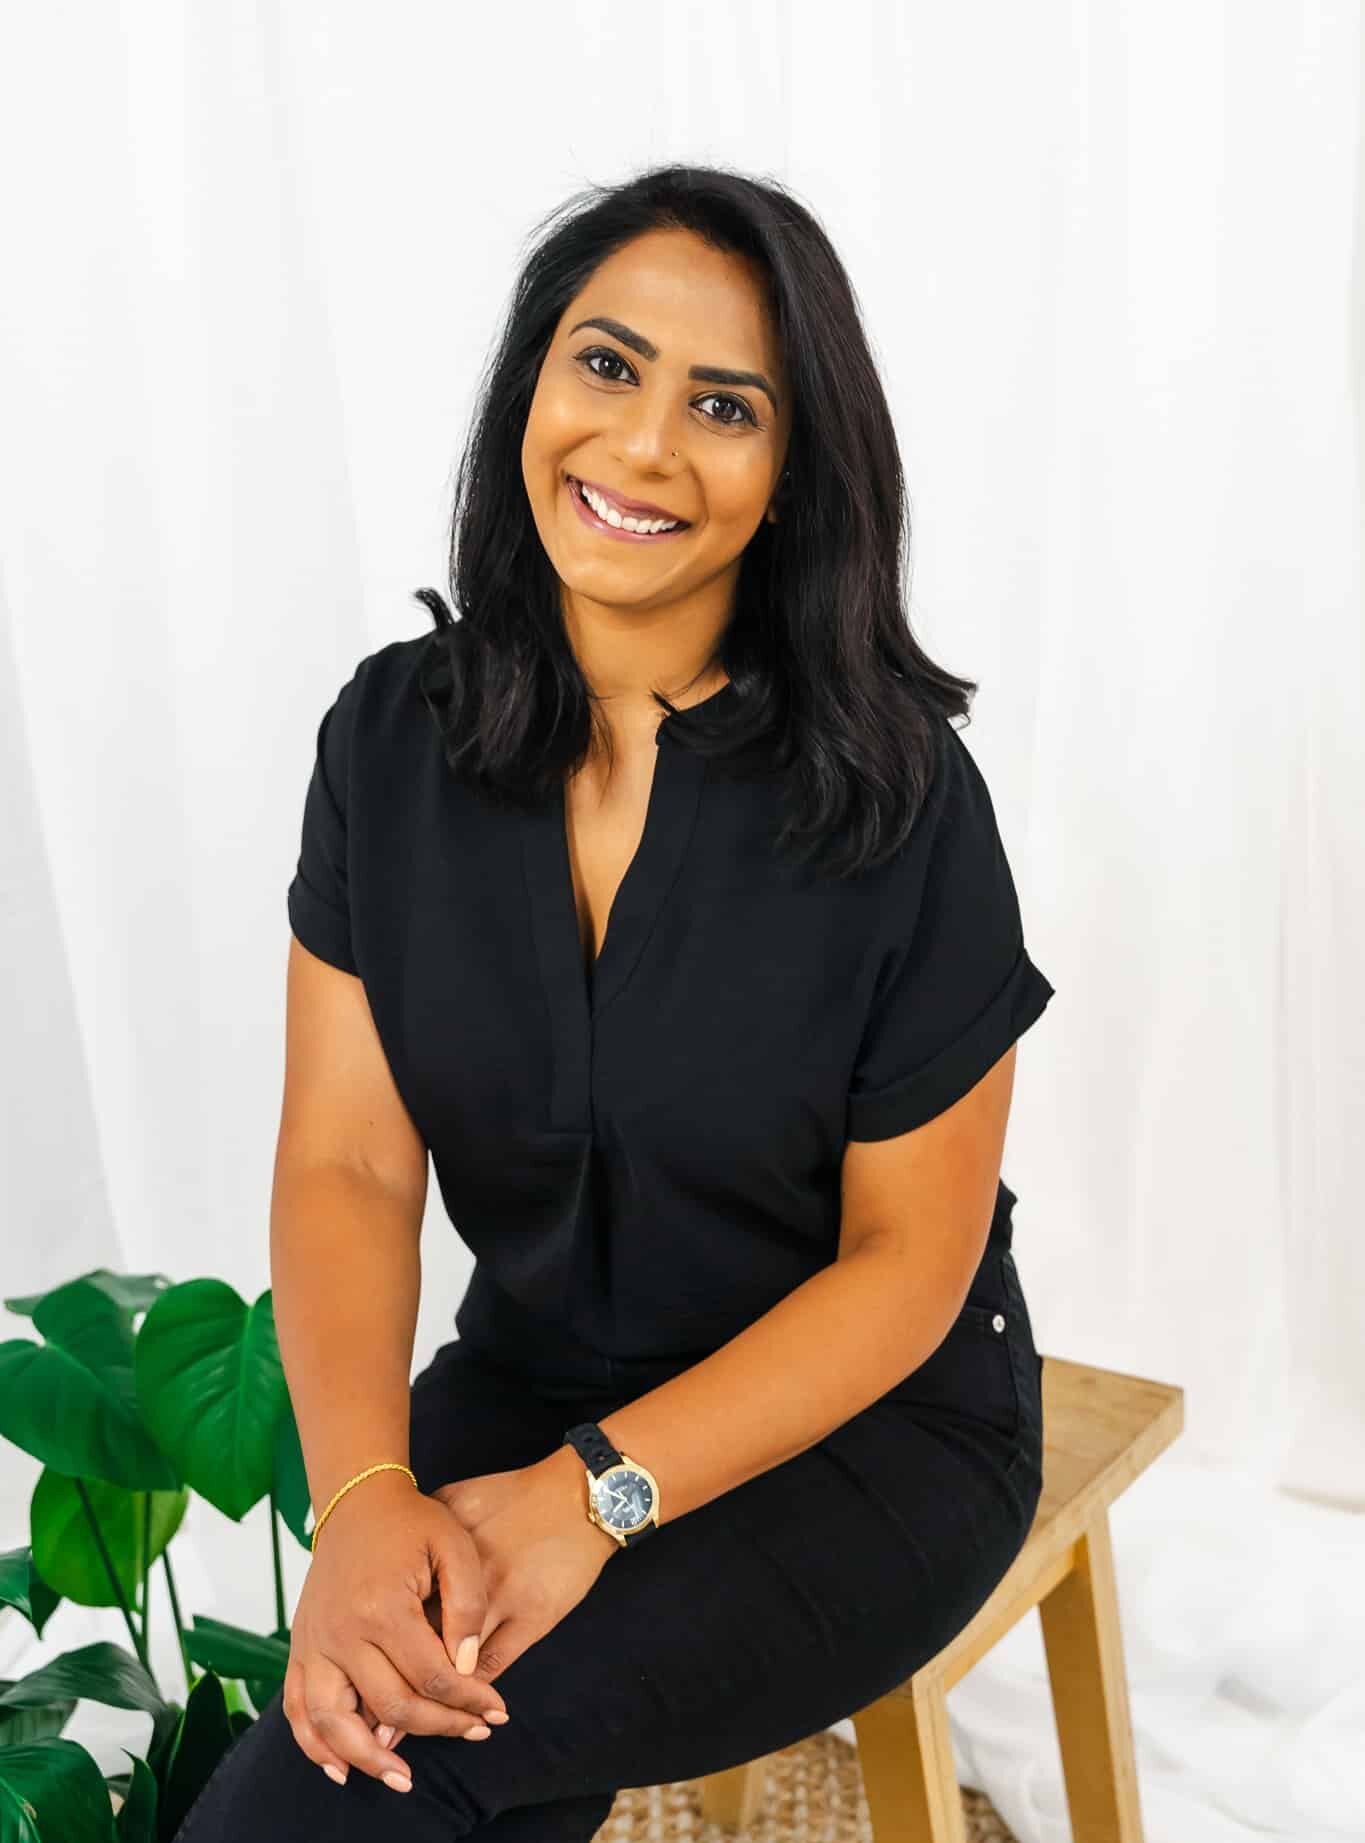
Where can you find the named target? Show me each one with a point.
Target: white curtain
(1112, 263)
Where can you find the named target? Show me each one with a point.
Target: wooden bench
(1101, 1430)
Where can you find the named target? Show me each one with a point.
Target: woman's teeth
(610, 516)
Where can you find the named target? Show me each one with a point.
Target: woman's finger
(386, 1736)
(505, 1640)
(322, 1707)
(394, 1702)
(295, 1705)
(424, 1666)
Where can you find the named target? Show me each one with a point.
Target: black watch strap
(592, 1446)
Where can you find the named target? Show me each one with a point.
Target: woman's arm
(346, 1276)
(916, 1211)
(345, 1225)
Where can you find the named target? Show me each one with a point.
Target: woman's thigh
(755, 1620)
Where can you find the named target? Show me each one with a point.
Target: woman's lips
(590, 518)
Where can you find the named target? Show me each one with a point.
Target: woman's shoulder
(375, 732)
(387, 682)
(953, 839)
(380, 705)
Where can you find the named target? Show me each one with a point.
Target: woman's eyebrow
(707, 374)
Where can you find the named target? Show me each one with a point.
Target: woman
(659, 902)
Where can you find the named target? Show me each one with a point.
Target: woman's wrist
(570, 1476)
(389, 1481)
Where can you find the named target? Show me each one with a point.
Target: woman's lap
(755, 1620)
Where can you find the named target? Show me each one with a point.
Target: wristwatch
(623, 1498)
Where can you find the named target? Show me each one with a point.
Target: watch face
(623, 1497)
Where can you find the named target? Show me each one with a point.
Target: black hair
(834, 693)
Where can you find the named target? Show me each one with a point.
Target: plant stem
(279, 1565)
(111, 1571)
(145, 1568)
(190, 1678)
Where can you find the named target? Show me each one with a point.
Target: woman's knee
(265, 1789)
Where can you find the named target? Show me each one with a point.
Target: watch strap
(592, 1446)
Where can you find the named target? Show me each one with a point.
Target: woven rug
(814, 1795)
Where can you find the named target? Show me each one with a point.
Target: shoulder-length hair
(834, 694)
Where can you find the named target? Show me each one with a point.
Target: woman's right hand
(361, 1630)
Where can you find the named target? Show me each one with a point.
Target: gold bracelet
(388, 1465)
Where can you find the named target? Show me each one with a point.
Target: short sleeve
(319, 896)
(956, 986)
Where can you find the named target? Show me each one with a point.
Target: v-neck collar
(576, 994)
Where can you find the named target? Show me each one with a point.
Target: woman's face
(625, 406)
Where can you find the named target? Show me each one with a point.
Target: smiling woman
(626, 445)
(658, 903)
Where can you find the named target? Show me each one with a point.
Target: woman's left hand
(539, 1551)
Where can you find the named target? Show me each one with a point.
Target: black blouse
(648, 1155)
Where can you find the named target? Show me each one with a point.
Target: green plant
(127, 1419)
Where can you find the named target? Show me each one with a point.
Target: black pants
(755, 1620)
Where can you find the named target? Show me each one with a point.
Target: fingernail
(495, 1715)
(477, 1733)
(399, 1781)
(335, 1772)
(467, 1656)
(384, 1734)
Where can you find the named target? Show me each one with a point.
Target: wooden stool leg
(1090, 1694)
(905, 1749)
(734, 1798)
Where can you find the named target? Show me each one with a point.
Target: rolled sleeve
(956, 985)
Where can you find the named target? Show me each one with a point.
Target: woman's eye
(738, 403)
(744, 413)
(602, 352)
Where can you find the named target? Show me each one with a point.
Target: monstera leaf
(72, 1400)
(292, 1498)
(131, 1292)
(212, 1388)
(66, 1552)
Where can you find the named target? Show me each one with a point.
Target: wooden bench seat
(1101, 1429)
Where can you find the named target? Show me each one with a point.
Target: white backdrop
(1112, 263)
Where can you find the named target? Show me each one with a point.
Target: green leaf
(204, 1737)
(102, 1671)
(292, 1497)
(160, 1747)
(131, 1292)
(212, 1389)
(54, 1790)
(22, 1587)
(258, 1661)
(18, 1819)
(261, 1690)
(71, 1402)
(136, 1820)
(19, 1725)
(64, 1546)
(234, 1652)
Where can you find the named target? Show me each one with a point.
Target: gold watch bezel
(596, 1516)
